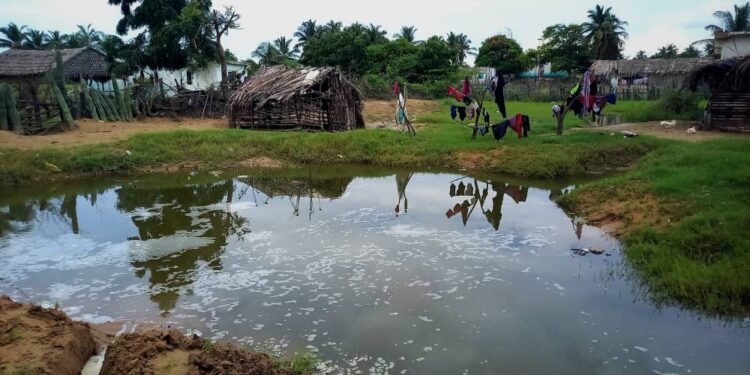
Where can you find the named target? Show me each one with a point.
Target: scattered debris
(692, 130)
(629, 134)
(669, 124)
(51, 167)
(585, 251)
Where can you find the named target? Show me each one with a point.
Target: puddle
(377, 272)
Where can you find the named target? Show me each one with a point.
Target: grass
(300, 363)
(699, 259)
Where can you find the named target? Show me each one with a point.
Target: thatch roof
(730, 75)
(20, 63)
(279, 83)
(305, 98)
(625, 68)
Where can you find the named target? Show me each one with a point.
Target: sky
(652, 23)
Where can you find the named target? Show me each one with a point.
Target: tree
(88, 36)
(690, 51)
(13, 36)
(34, 39)
(565, 48)
(667, 52)
(408, 33)
(219, 25)
(306, 32)
(54, 40)
(502, 53)
(732, 22)
(267, 54)
(605, 33)
(284, 46)
(641, 55)
(333, 27)
(461, 44)
(376, 34)
(346, 49)
(229, 55)
(709, 49)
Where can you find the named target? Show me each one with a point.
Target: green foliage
(690, 52)
(60, 99)
(89, 100)
(605, 33)
(101, 105)
(502, 53)
(669, 51)
(4, 92)
(565, 48)
(119, 100)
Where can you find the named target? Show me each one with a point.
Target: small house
(644, 79)
(729, 83)
(732, 44)
(19, 65)
(281, 98)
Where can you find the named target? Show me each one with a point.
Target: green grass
(699, 260)
(300, 363)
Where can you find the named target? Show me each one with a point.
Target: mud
(167, 351)
(39, 341)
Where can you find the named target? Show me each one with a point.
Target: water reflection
(475, 196)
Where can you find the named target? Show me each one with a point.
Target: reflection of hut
(279, 98)
(646, 78)
(729, 83)
(327, 188)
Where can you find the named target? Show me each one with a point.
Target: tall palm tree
(88, 36)
(462, 45)
(306, 32)
(739, 21)
(408, 33)
(13, 36)
(284, 46)
(333, 27)
(669, 51)
(54, 40)
(267, 54)
(641, 55)
(34, 39)
(375, 34)
(605, 32)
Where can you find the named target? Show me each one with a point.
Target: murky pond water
(380, 273)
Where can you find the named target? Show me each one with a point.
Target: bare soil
(677, 132)
(170, 352)
(39, 341)
(381, 114)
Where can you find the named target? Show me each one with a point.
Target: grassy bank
(687, 222)
(440, 143)
(683, 211)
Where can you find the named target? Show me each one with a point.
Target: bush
(679, 103)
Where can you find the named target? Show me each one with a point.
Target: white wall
(734, 46)
(203, 79)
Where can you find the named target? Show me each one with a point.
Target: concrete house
(732, 44)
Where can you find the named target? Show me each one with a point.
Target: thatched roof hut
(729, 83)
(658, 67)
(280, 98)
(21, 64)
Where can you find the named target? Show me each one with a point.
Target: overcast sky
(652, 23)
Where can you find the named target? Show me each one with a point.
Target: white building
(733, 44)
(202, 79)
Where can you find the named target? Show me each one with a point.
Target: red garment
(456, 94)
(516, 123)
(396, 88)
(467, 87)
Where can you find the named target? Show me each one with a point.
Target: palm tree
(13, 36)
(333, 27)
(284, 46)
(408, 33)
(54, 40)
(667, 52)
(739, 21)
(267, 54)
(605, 32)
(306, 32)
(34, 39)
(88, 36)
(462, 45)
(376, 34)
(641, 55)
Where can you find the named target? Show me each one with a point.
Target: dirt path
(380, 114)
(678, 132)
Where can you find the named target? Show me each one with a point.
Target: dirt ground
(39, 341)
(169, 352)
(678, 132)
(381, 114)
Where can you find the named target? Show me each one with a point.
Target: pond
(376, 271)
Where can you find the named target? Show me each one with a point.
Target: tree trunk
(223, 63)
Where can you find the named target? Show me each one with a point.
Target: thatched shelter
(649, 76)
(21, 64)
(280, 98)
(729, 84)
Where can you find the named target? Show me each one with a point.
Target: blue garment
(611, 98)
(454, 112)
(499, 130)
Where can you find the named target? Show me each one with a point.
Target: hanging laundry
(516, 123)
(461, 113)
(526, 125)
(470, 190)
(486, 116)
(454, 112)
(499, 129)
(456, 94)
(470, 112)
(611, 98)
(586, 92)
(452, 190)
(594, 87)
(466, 89)
(461, 189)
(396, 88)
(483, 130)
(499, 86)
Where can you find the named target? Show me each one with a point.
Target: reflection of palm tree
(402, 181)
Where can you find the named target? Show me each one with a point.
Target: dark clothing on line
(500, 96)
